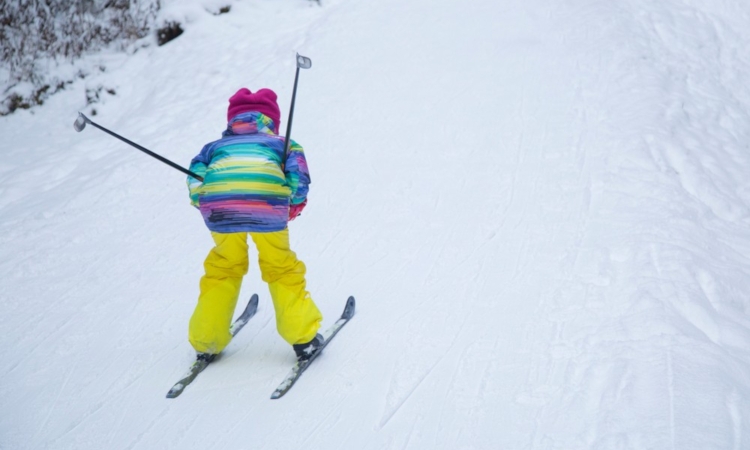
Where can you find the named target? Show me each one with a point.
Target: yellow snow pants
(297, 316)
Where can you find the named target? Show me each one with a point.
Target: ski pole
(82, 120)
(302, 63)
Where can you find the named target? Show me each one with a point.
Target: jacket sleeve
(297, 173)
(198, 166)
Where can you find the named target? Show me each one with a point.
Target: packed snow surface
(542, 208)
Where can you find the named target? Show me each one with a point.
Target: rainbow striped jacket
(246, 188)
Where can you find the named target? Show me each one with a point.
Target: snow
(541, 207)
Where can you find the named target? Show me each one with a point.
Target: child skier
(252, 186)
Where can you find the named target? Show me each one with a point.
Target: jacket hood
(250, 123)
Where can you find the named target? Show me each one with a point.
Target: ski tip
(247, 314)
(252, 306)
(349, 308)
(175, 391)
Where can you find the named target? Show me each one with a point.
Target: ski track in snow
(541, 207)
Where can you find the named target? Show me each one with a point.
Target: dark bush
(14, 102)
(167, 32)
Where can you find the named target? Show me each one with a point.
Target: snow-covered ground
(542, 207)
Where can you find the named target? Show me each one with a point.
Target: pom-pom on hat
(263, 101)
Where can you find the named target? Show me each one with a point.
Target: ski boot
(306, 351)
(206, 357)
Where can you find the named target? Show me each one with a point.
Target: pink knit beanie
(263, 101)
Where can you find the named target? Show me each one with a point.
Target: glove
(296, 210)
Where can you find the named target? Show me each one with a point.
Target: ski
(328, 335)
(200, 364)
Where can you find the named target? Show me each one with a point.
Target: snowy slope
(542, 209)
